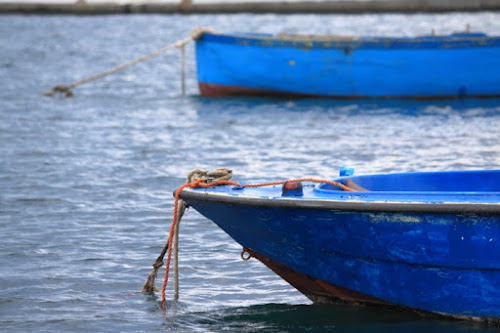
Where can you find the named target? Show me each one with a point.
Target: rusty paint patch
(219, 90)
(394, 218)
(316, 290)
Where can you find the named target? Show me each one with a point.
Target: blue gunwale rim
(310, 42)
(347, 205)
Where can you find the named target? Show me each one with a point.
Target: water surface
(86, 183)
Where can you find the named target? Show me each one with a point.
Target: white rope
(209, 176)
(183, 69)
(195, 34)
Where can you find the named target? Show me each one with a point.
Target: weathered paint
(455, 66)
(316, 290)
(439, 261)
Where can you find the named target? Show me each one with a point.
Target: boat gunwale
(353, 42)
(347, 206)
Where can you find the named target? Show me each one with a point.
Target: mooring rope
(205, 179)
(179, 209)
(195, 34)
(183, 69)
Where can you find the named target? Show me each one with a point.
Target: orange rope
(196, 183)
(171, 235)
(312, 180)
(217, 182)
(201, 183)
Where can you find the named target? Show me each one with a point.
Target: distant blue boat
(427, 241)
(428, 67)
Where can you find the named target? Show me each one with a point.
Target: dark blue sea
(86, 182)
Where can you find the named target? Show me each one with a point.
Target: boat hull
(446, 263)
(454, 66)
(316, 290)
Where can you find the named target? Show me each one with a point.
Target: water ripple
(86, 183)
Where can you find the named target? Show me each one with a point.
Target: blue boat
(425, 241)
(428, 67)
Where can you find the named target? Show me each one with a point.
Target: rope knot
(209, 176)
(197, 32)
(61, 89)
(179, 44)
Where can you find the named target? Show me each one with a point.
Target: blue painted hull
(434, 250)
(455, 66)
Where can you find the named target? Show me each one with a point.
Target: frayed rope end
(149, 286)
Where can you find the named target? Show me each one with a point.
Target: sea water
(86, 182)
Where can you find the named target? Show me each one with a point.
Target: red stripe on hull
(316, 290)
(219, 90)
(320, 291)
